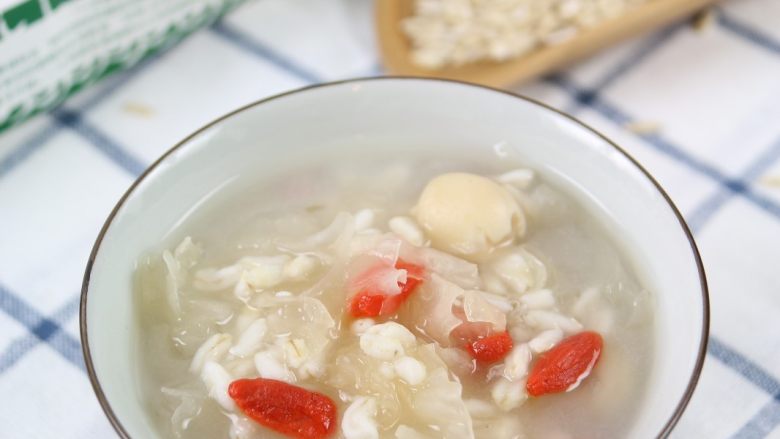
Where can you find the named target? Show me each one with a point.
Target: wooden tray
(395, 46)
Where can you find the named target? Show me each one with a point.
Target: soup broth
(420, 297)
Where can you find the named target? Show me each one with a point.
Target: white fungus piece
(477, 309)
(520, 270)
(360, 326)
(407, 229)
(217, 380)
(382, 278)
(251, 339)
(359, 421)
(213, 349)
(467, 214)
(270, 365)
(364, 219)
(508, 395)
(386, 341)
(410, 370)
(441, 405)
(188, 408)
(434, 308)
(516, 363)
(545, 340)
(300, 268)
(544, 319)
(538, 299)
(458, 271)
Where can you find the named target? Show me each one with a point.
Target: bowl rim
(704, 333)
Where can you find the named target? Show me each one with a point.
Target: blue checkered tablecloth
(713, 93)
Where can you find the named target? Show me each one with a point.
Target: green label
(50, 49)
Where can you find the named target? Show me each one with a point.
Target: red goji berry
(565, 365)
(491, 348)
(365, 304)
(368, 303)
(287, 409)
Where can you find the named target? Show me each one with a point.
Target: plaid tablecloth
(711, 97)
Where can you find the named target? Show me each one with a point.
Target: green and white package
(49, 49)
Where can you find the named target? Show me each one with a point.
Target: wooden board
(395, 46)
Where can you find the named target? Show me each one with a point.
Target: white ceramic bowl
(399, 114)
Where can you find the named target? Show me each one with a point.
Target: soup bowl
(403, 116)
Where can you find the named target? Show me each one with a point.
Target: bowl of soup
(394, 258)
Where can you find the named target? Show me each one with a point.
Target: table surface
(713, 95)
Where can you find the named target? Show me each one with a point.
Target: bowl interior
(396, 115)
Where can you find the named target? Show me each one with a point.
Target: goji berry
(564, 366)
(365, 304)
(369, 303)
(290, 410)
(491, 348)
